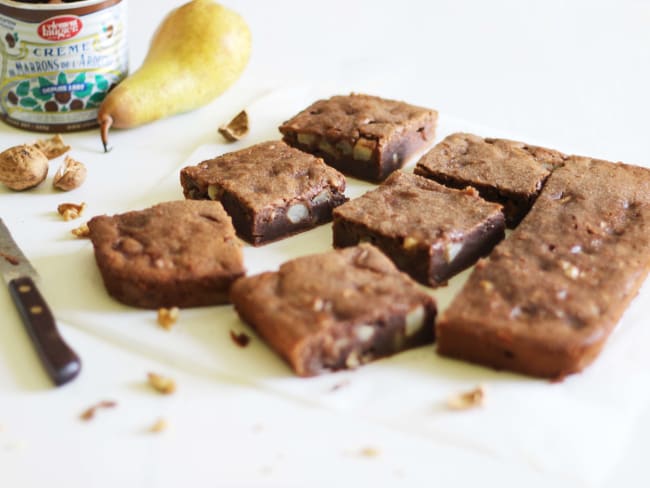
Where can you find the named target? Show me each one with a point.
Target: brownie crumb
(240, 338)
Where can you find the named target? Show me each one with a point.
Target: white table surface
(570, 75)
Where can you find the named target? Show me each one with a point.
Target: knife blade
(60, 361)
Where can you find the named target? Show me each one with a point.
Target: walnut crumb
(488, 286)
(467, 399)
(159, 425)
(570, 270)
(162, 384)
(240, 338)
(81, 232)
(89, 413)
(70, 211)
(369, 452)
(167, 317)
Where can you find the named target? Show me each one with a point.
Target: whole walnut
(22, 167)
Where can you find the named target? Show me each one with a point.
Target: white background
(569, 75)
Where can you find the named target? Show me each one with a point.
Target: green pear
(197, 52)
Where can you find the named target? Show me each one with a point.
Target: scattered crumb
(9, 258)
(70, 211)
(369, 452)
(339, 385)
(236, 128)
(162, 384)
(82, 232)
(468, 399)
(240, 338)
(89, 413)
(52, 147)
(167, 317)
(159, 425)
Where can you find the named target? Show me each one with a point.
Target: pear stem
(105, 123)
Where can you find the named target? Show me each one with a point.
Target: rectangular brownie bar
(429, 231)
(363, 136)
(336, 310)
(270, 190)
(546, 299)
(507, 172)
(174, 254)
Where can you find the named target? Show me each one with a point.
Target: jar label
(57, 71)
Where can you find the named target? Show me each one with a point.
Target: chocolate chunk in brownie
(507, 172)
(182, 254)
(270, 190)
(363, 136)
(336, 310)
(546, 299)
(430, 231)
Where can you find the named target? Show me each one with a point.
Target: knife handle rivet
(36, 309)
(24, 288)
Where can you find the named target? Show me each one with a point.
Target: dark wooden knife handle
(61, 362)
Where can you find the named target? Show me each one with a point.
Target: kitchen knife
(61, 362)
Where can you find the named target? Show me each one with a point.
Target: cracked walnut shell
(52, 147)
(70, 175)
(22, 167)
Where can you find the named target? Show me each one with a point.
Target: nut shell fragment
(52, 147)
(236, 128)
(23, 167)
(70, 175)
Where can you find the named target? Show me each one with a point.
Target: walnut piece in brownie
(175, 254)
(507, 172)
(361, 135)
(336, 310)
(429, 231)
(546, 299)
(270, 190)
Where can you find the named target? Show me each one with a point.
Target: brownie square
(507, 172)
(429, 231)
(270, 190)
(182, 254)
(363, 136)
(546, 299)
(336, 310)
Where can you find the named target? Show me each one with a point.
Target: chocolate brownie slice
(430, 231)
(363, 136)
(546, 299)
(270, 190)
(507, 172)
(182, 254)
(336, 310)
